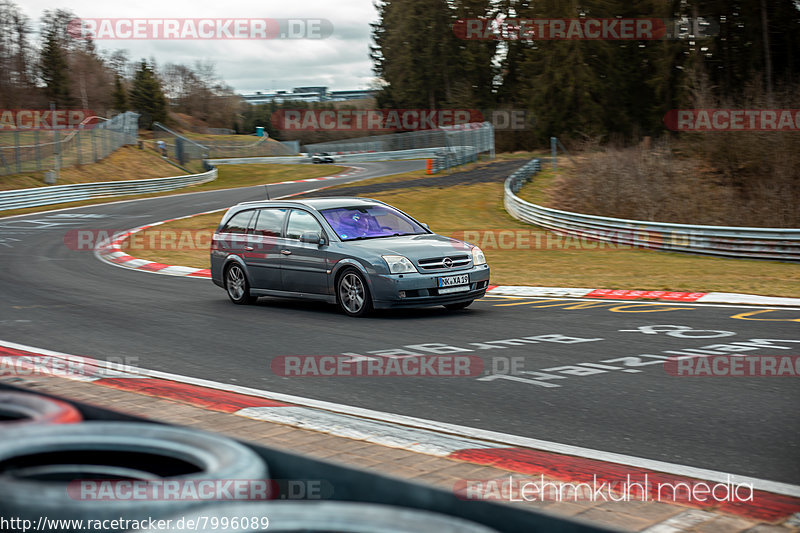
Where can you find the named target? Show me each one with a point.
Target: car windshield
(370, 222)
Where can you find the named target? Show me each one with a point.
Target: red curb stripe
(205, 273)
(765, 505)
(153, 267)
(123, 259)
(623, 294)
(212, 399)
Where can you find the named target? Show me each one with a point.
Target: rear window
(238, 223)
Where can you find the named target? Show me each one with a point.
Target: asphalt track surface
(61, 299)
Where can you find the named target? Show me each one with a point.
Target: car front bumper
(421, 290)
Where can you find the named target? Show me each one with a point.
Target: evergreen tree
(53, 70)
(147, 98)
(414, 53)
(119, 97)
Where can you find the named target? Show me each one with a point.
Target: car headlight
(398, 264)
(477, 256)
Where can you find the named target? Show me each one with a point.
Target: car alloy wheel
(354, 298)
(237, 286)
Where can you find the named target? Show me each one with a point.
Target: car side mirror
(424, 225)
(312, 237)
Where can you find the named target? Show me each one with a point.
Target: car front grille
(438, 263)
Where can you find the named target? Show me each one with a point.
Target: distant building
(306, 94)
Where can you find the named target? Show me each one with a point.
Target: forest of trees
(611, 90)
(73, 73)
(607, 89)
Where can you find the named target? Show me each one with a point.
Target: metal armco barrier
(419, 153)
(729, 241)
(22, 198)
(443, 157)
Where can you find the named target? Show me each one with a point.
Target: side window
(269, 222)
(301, 222)
(238, 223)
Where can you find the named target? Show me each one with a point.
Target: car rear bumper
(421, 290)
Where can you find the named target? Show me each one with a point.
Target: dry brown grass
(758, 184)
(127, 163)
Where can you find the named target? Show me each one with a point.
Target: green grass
(537, 189)
(511, 250)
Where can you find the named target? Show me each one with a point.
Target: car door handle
(286, 252)
(249, 248)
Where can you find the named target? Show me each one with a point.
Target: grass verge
(521, 254)
(126, 163)
(229, 176)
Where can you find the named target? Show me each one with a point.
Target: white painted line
(374, 431)
(136, 263)
(178, 270)
(501, 439)
(682, 522)
(641, 301)
(512, 290)
(736, 298)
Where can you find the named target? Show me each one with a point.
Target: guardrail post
(17, 153)
(93, 137)
(78, 145)
(37, 150)
(553, 143)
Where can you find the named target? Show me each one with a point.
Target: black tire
(342, 517)
(352, 293)
(40, 465)
(459, 305)
(237, 286)
(22, 408)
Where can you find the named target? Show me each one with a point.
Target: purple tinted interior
(375, 221)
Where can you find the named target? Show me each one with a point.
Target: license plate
(451, 281)
(448, 290)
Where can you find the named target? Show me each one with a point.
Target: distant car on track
(358, 253)
(322, 157)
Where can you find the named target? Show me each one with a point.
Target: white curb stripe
(492, 439)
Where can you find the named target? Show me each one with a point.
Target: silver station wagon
(358, 253)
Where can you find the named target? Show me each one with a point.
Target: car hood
(414, 247)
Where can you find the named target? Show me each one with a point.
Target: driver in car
(356, 224)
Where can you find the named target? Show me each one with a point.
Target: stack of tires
(51, 463)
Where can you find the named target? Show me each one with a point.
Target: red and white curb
(110, 250)
(614, 294)
(772, 501)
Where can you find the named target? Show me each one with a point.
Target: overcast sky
(340, 61)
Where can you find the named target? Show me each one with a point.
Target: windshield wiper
(383, 236)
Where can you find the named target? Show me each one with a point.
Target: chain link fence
(479, 135)
(37, 150)
(190, 154)
(457, 144)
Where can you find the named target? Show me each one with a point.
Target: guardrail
(22, 198)
(728, 241)
(343, 158)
